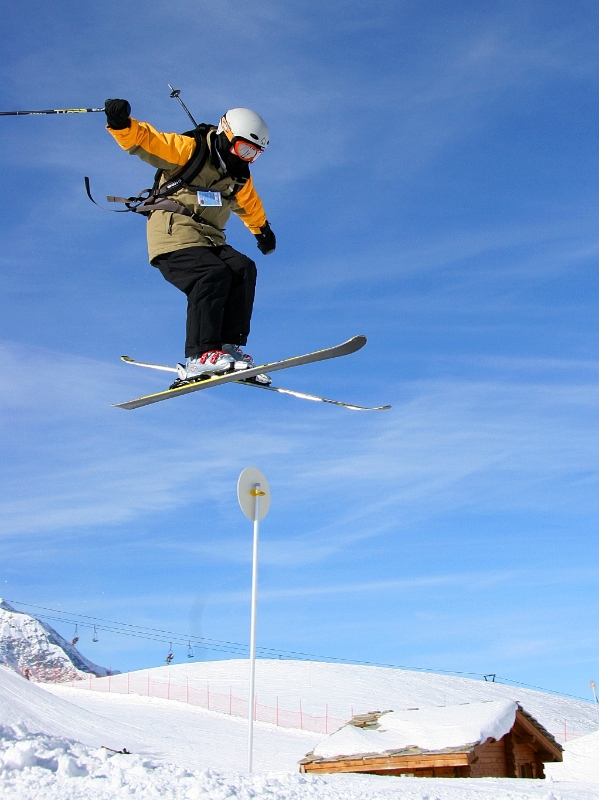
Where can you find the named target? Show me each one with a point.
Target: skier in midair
(185, 229)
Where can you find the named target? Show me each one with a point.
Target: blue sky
(432, 181)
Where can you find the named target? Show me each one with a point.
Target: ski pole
(50, 111)
(176, 93)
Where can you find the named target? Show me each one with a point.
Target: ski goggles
(244, 150)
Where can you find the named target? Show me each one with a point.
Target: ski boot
(202, 366)
(245, 361)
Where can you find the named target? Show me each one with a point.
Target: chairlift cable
(236, 648)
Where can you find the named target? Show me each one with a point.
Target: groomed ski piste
(53, 738)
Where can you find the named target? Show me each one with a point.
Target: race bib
(210, 199)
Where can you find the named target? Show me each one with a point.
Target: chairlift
(189, 650)
(170, 655)
(75, 638)
(95, 636)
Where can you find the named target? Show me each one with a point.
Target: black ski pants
(219, 283)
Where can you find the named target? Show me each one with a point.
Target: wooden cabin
(518, 753)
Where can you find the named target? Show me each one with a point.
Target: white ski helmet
(244, 125)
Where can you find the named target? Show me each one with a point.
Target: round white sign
(253, 484)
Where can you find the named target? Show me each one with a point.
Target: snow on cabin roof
(428, 729)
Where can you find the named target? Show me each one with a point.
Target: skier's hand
(267, 241)
(117, 114)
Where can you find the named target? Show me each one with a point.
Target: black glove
(117, 114)
(267, 241)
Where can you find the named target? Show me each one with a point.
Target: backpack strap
(186, 174)
(157, 198)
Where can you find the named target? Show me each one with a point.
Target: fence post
(109, 677)
(90, 681)
(565, 732)
(128, 675)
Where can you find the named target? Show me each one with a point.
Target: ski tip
(351, 345)
(364, 408)
(126, 358)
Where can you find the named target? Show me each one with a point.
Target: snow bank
(23, 702)
(34, 766)
(581, 760)
(38, 765)
(20, 749)
(428, 729)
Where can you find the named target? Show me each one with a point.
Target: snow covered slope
(167, 731)
(316, 684)
(581, 761)
(32, 647)
(193, 737)
(349, 689)
(23, 702)
(38, 759)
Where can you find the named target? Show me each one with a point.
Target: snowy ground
(348, 689)
(38, 766)
(189, 736)
(581, 761)
(41, 766)
(50, 750)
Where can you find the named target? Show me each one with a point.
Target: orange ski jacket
(168, 231)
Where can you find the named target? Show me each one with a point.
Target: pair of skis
(344, 349)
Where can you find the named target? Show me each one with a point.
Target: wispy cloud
(451, 444)
(470, 583)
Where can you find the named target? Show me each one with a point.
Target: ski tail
(314, 397)
(161, 367)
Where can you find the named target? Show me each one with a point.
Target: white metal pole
(594, 690)
(257, 493)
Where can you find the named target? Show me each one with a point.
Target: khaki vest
(168, 231)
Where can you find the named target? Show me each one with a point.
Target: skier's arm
(161, 150)
(249, 208)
